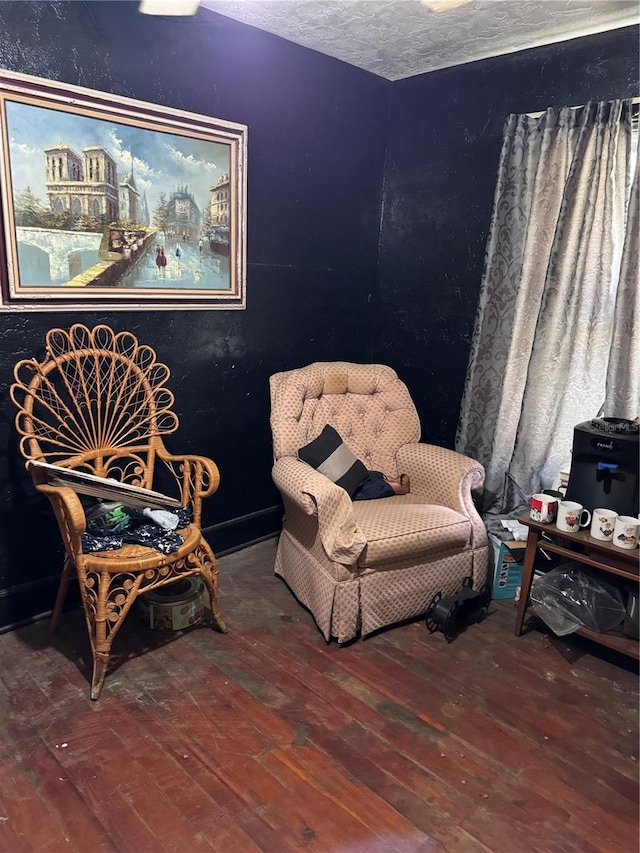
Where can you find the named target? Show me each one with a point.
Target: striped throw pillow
(329, 455)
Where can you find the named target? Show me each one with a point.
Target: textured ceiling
(400, 38)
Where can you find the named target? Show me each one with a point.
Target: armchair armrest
(315, 494)
(198, 477)
(444, 477)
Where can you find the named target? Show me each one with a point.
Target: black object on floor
(451, 613)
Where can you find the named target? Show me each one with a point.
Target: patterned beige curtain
(623, 376)
(541, 345)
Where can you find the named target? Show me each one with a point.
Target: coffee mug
(602, 524)
(625, 532)
(572, 516)
(543, 508)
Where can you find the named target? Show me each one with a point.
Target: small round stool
(173, 607)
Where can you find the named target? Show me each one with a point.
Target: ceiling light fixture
(168, 7)
(443, 5)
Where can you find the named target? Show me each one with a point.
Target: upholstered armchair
(362, 565)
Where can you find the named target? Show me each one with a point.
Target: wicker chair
(362, 565)
(97, 403)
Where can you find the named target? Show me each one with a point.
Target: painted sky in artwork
(162, 162)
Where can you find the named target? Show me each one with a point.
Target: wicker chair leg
(209, 572)
(104, 623)
(100, 664)
(67, 573)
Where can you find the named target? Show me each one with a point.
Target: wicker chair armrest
(315, 494)
(198, 477)
(69, 514)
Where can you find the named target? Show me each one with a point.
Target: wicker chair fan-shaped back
(97, 401)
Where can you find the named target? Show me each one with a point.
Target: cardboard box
(507, 567)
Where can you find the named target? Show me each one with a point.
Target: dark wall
(317, 136)
(443, 149)
(316, 157)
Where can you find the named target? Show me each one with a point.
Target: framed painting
(112, 203)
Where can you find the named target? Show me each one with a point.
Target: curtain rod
(578, 107)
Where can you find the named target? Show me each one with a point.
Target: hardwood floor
(268, 739)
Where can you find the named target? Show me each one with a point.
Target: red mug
(543, 508)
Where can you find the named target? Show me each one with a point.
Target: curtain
(540, 355)
(623, 376)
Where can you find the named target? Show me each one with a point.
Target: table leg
(527, 577)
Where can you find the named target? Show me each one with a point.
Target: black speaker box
(605, 465)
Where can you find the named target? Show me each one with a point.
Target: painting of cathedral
(119, 209)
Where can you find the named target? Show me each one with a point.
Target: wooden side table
(583, 548)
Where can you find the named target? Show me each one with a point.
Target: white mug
(572, 516)
(602, 524)
(625, 532)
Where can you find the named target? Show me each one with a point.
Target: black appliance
(451, 613)
(604, 465)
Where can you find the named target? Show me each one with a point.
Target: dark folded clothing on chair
(375, 486)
